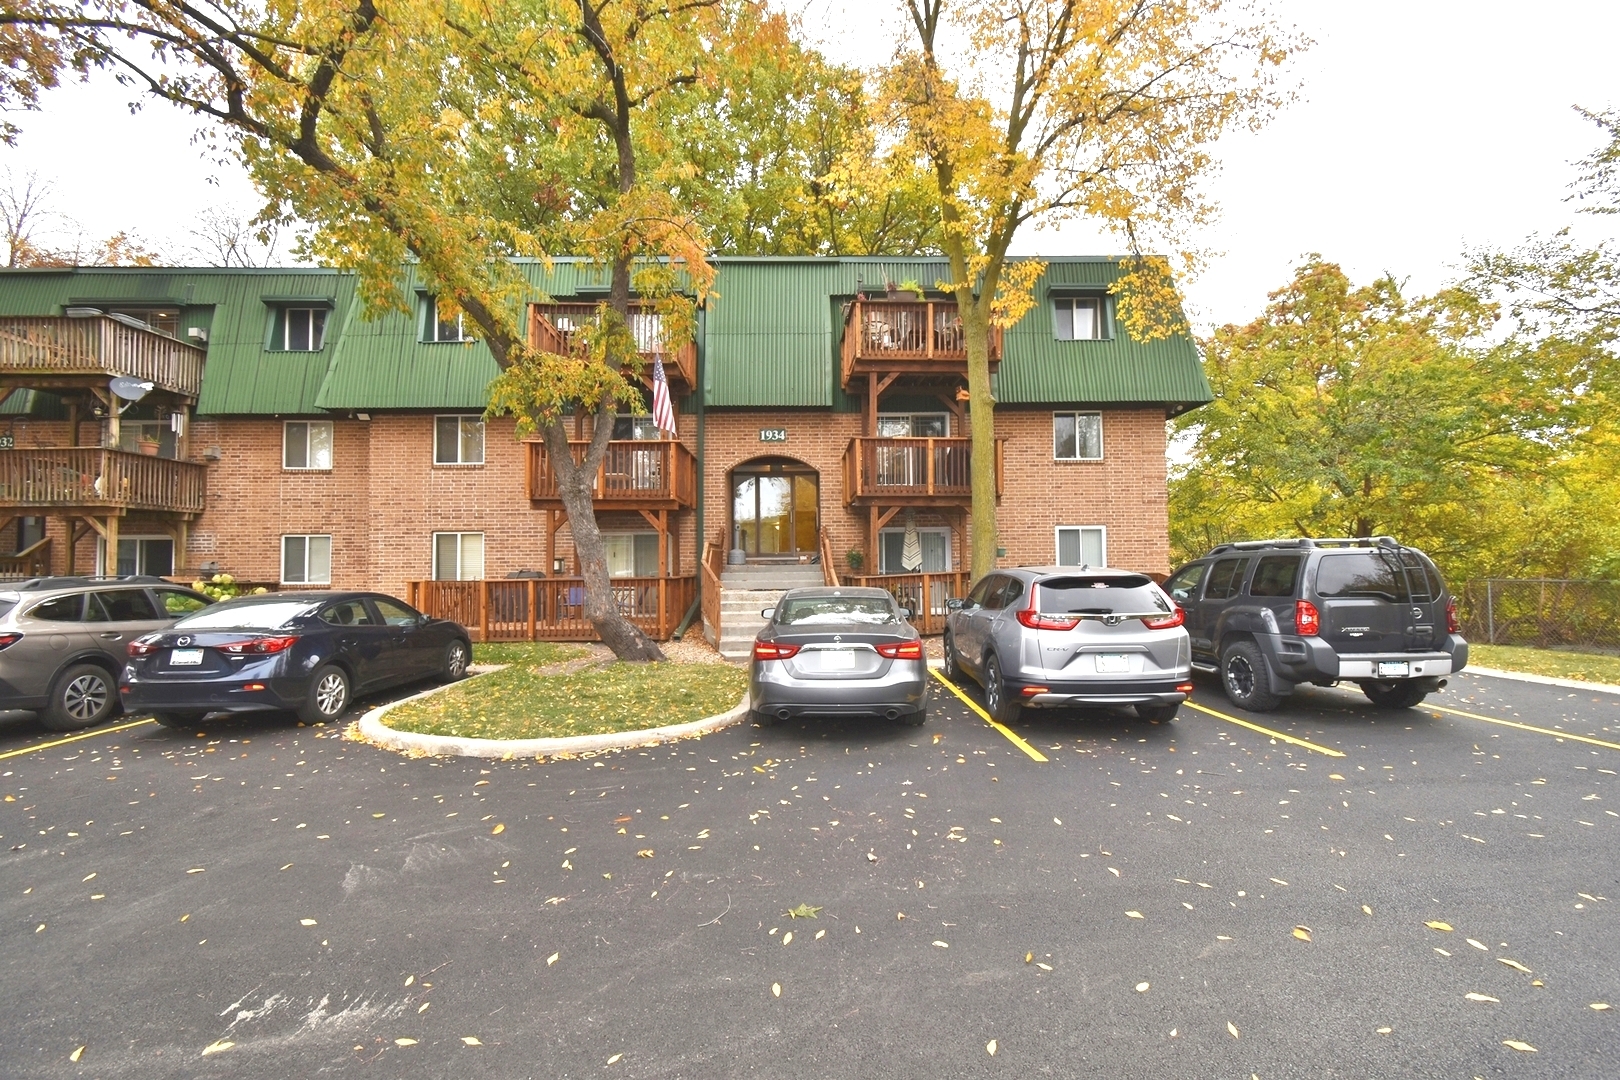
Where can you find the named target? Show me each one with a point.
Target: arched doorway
(775, 508)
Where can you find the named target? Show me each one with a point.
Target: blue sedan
(304, 652)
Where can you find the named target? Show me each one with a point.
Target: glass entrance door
(774, 511)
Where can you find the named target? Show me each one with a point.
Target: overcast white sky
(1425, 127)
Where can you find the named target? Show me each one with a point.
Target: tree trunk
(982, 425)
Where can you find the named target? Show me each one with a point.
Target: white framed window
(914, 425)
(145, 555)
(1077, 436)
(936, 551)
(1079, 318)
(439, 324)
(1082, 545)
(458, 440)
(631, 554)
(306, 560)
(458, 556)
(306, 444)
(635, 428)
(299, 330)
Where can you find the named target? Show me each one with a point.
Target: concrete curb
(1545, 680)
(374, 731)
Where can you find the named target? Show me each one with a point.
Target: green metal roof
(769, 337)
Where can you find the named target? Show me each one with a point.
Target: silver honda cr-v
(1060, 636)
(64, 640)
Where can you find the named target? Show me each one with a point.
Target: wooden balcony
(924, 593)
(636, 474)
(552, 328)
(915, 337)
(70, 354)
(912, 472)
(551, 609)
(95, 480)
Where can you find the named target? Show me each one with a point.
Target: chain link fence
(1547, 613)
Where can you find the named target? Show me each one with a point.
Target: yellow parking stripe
(974, 705)
(75, 738)
(1328, 750)
(1526, 727)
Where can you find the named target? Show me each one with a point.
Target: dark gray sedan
(838, 652)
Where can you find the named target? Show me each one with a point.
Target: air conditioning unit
(197, 334)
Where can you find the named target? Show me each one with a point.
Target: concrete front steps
(747, 590)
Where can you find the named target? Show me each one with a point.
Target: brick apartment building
(291, 441)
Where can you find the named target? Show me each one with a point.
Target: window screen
(1081, 545)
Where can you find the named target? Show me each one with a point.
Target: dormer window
(1079, 318)
(439, 323)
(299, 329)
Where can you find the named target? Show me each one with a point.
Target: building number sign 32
(773, 434)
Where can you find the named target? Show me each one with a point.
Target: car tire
(1394, 695)
(1246, 678)
(179, 721)
(915, 719)
(1158, 714)
(456, 655)
(951, 668)
(84, 695)
(328, 696)
(996, 700)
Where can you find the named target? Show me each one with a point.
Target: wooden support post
(534, 595)
(109, 563)
(68, 524)
(483, 609)
(869, 421)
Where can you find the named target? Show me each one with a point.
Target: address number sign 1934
(773, 434)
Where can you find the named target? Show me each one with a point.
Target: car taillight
(257, 646)
(1452, 625)
(1036, 621)
(1307, 620)
(1174, 619)
(901, 650)
(8, 640)
(770, 650)
(142, 647)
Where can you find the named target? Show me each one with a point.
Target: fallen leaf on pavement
(1111, 870)
(645, 853)
(404, 1042)
(1133, 915)
(1437, 925)
(803, 911)
(552, 959)
(409, 979)
(1142, 988)
(306, 922)
(471, 1040)
(498, 829)
(1521, 1047)
(1514, 964)
(1044, 967)
(614, 1058)
(1303, 933)
(1029, 957)
(1599, 1006)
(1479, 945)
(1232, 1028)
(942, 944)
(990, 1048)
(1482, 997)
(76, 1055)
(199, 870)
(787, 937)
(1385, 1030)
(423, 1008)
(216, 1047)
(1366, 910)
(776, 989)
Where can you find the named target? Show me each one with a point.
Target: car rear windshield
(6, 604)
(246, 616)
(1116, 594)
(1378, 574)
(819, 610)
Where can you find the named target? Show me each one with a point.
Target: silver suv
(63, 641)
(1066, 636)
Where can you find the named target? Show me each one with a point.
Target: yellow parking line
(1555, 733)
(970, 703)
(75, 738)
(1328, 750)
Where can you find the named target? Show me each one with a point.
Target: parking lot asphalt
(1198, 899)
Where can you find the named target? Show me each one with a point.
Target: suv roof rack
(1308, 542)
(39, 583)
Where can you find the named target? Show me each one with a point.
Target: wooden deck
(96, 480)
(914, 337)
(63, 353)
(636, 474)
(552, 328)
(551, 609)
(912, 472)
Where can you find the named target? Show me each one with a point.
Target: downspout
(702, 395)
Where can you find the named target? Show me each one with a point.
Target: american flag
(663, 413)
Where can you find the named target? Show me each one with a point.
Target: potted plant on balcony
(148, 444)
(855, 559)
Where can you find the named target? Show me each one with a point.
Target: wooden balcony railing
(92, 477)
(711, 566)
(32, 561)
(924, 594)
(916, 471)
(551, 609)
(552, 328)
(636, 474)
(54, 352)
(917, 336)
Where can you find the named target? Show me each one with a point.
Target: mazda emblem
(184, 639)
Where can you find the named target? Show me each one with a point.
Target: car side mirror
(956, 603)
(905, 613)
(766, 613)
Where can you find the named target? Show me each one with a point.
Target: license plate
(1390, 668)
(837, 659)
(185, 657)
(1110, 661)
